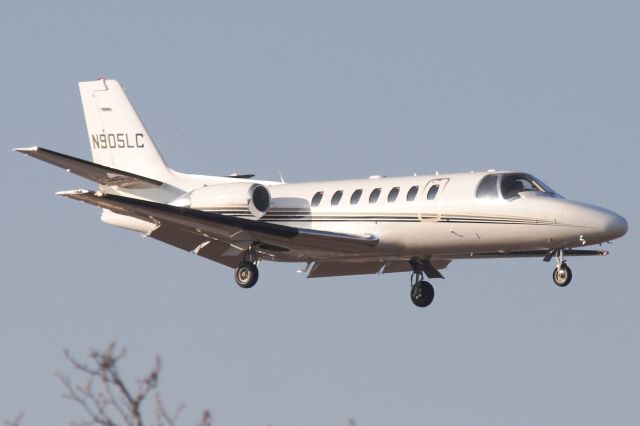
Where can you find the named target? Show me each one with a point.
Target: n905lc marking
(116, 140)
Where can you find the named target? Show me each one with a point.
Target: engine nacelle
(229, 197)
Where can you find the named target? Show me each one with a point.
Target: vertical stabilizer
(117, 136)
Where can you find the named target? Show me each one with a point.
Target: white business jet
(415, 224)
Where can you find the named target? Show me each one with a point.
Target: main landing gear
(422, 292)
(562, 273)
(246, 273)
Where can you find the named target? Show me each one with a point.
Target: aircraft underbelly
(446, 237)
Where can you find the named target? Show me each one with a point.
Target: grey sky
(324, 90)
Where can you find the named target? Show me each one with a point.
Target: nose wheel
(562, 274)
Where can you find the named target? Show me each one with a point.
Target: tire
(246, 275)
(422, 294)
(562, 276)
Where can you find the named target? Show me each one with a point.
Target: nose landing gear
(562, 273)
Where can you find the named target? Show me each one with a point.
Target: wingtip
(26, 150)
(73, 192)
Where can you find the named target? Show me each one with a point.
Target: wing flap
(336, 269)
(187, 240)
(431, 268)
(342, 268)
(221, 252)
(95, 172)
(178, 237)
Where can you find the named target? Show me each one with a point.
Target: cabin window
(335, 200)
(375, 194)
(393, 194)
(433, 191)
(488, 188)
(411, 195)
(315, 201)
(355, 197)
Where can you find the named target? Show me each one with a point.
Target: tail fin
(117, 136)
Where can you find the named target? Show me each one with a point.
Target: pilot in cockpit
(511, 188)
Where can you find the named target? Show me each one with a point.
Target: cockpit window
(488, 188)
(512, 185)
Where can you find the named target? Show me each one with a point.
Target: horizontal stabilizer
(101, 174)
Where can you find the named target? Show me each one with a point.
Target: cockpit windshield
(511, 185)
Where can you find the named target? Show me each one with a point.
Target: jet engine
(228, 197)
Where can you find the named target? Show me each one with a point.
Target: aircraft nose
(598, 225)
(605, 225)
(615, 226)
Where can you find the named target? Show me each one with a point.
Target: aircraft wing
(338, 268)
(101, 174)
(234, 231)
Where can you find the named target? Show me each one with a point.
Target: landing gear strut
(562, 273)
(422, 292)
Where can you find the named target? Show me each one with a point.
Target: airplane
(379, 225)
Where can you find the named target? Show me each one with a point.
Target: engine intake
(232, 198)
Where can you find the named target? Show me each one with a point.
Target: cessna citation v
(415, 224)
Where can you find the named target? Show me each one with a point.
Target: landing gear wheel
(422, 294)
(562, 275)
(246, 275)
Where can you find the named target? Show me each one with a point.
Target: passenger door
(430, 200)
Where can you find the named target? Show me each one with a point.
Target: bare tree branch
(207, 419)
(113, 402)
(16, 420)
(163, 418)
